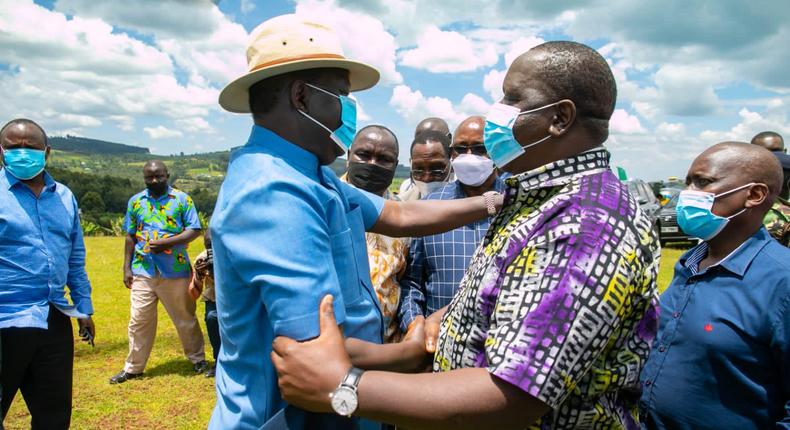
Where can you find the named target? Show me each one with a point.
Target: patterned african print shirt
(777, 221)
(151, 219)
(560, 298)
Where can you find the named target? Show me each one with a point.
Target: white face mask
(428, 187)
(472, 169)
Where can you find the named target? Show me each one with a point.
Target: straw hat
(286, 44)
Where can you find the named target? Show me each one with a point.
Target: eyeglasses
(433, 173)
(474, 149)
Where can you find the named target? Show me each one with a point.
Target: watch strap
(488, 198)
(352, 377)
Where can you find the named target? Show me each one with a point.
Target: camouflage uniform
(777, 221)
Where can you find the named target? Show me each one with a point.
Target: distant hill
(93, 146)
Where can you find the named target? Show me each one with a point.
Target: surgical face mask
(428, 187)
(472, 169)
(370, 177)
(343, 136)
(498, 137)
(24, 163)
(695, 215)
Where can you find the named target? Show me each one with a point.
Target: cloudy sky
(149, 72)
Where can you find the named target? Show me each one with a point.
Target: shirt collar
(737, 262)
(273, 144)
(11, 180)
(562, 171)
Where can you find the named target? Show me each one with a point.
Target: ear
(758, 193)
(564, 116)
(299, 95)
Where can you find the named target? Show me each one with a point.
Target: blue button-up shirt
(41, 251)
(721, 359)
(439, 262)
(148, 219)
(285, 233)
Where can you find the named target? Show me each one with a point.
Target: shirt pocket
(345, 265)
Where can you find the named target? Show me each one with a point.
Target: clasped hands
(307, 372)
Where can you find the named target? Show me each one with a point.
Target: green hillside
(93, 146)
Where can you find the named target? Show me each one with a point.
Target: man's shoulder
(774, 254)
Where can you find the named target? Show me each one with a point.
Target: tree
(92, 202)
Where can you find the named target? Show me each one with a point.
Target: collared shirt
(438, 262)
(149, 218)
(41, 252)
(285, 233)
(387, 260)
(560, 298)
(722, 355)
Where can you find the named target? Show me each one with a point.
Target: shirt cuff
(307, 326)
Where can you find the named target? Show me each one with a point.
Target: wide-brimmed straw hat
(286, 44)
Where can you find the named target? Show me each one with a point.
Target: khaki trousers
(146, 292)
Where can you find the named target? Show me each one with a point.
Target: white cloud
(774, 118)
(492, 83)
(363, 37)
(195, 125)
(625, 123)
(247, 6)
(670, 129)
(413, 106)
(162, 132)
(448, 52)
(520, 46)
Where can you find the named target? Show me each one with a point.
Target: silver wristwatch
(344, 398)
(488, 198)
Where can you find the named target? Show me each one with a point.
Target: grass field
(170, 396)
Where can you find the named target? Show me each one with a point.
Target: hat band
(297, 58)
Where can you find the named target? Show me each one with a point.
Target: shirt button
(648, 383)
(676, 315)
(662, 348)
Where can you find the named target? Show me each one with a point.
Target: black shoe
(124, 376)
(211, 372)
(200, 366)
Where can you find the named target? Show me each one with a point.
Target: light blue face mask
(695, 215)
(344, 135)
(24, 163)
(498, 137)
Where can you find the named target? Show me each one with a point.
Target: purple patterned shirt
(560, 299)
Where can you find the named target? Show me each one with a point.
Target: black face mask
(157, 189)
(369, 177)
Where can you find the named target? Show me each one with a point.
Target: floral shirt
(151, 219)
(560, 299)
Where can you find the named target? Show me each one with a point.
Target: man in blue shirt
(160, 222)
(721, 358)
(286, 231)
(439, 262)
(41, 252)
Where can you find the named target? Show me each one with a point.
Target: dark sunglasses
(473, 149)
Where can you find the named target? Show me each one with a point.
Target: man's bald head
(155, 166)
(747, 163)
(769, 140)
(378, 135)
(573, 71)
(24, 128)
(474, 124)
(432, 124)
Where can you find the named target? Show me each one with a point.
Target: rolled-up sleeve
(412, 285)
(189, 216)
(77, 278)
(279, 243)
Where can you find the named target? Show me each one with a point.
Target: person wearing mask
(430, 164)
(41, 253)
(160, 222)
(721, 358)
(439, 262)
(286, 230)
(372, 160)
(428, 124)
(555, 316)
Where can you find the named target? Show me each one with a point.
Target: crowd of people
(510, 283)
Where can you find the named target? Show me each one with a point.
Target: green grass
(170, 396)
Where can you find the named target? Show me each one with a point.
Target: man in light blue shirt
(41, 252)
(286, 231)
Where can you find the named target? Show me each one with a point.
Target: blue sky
(689, 74)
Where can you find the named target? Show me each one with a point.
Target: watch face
(344, 401)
